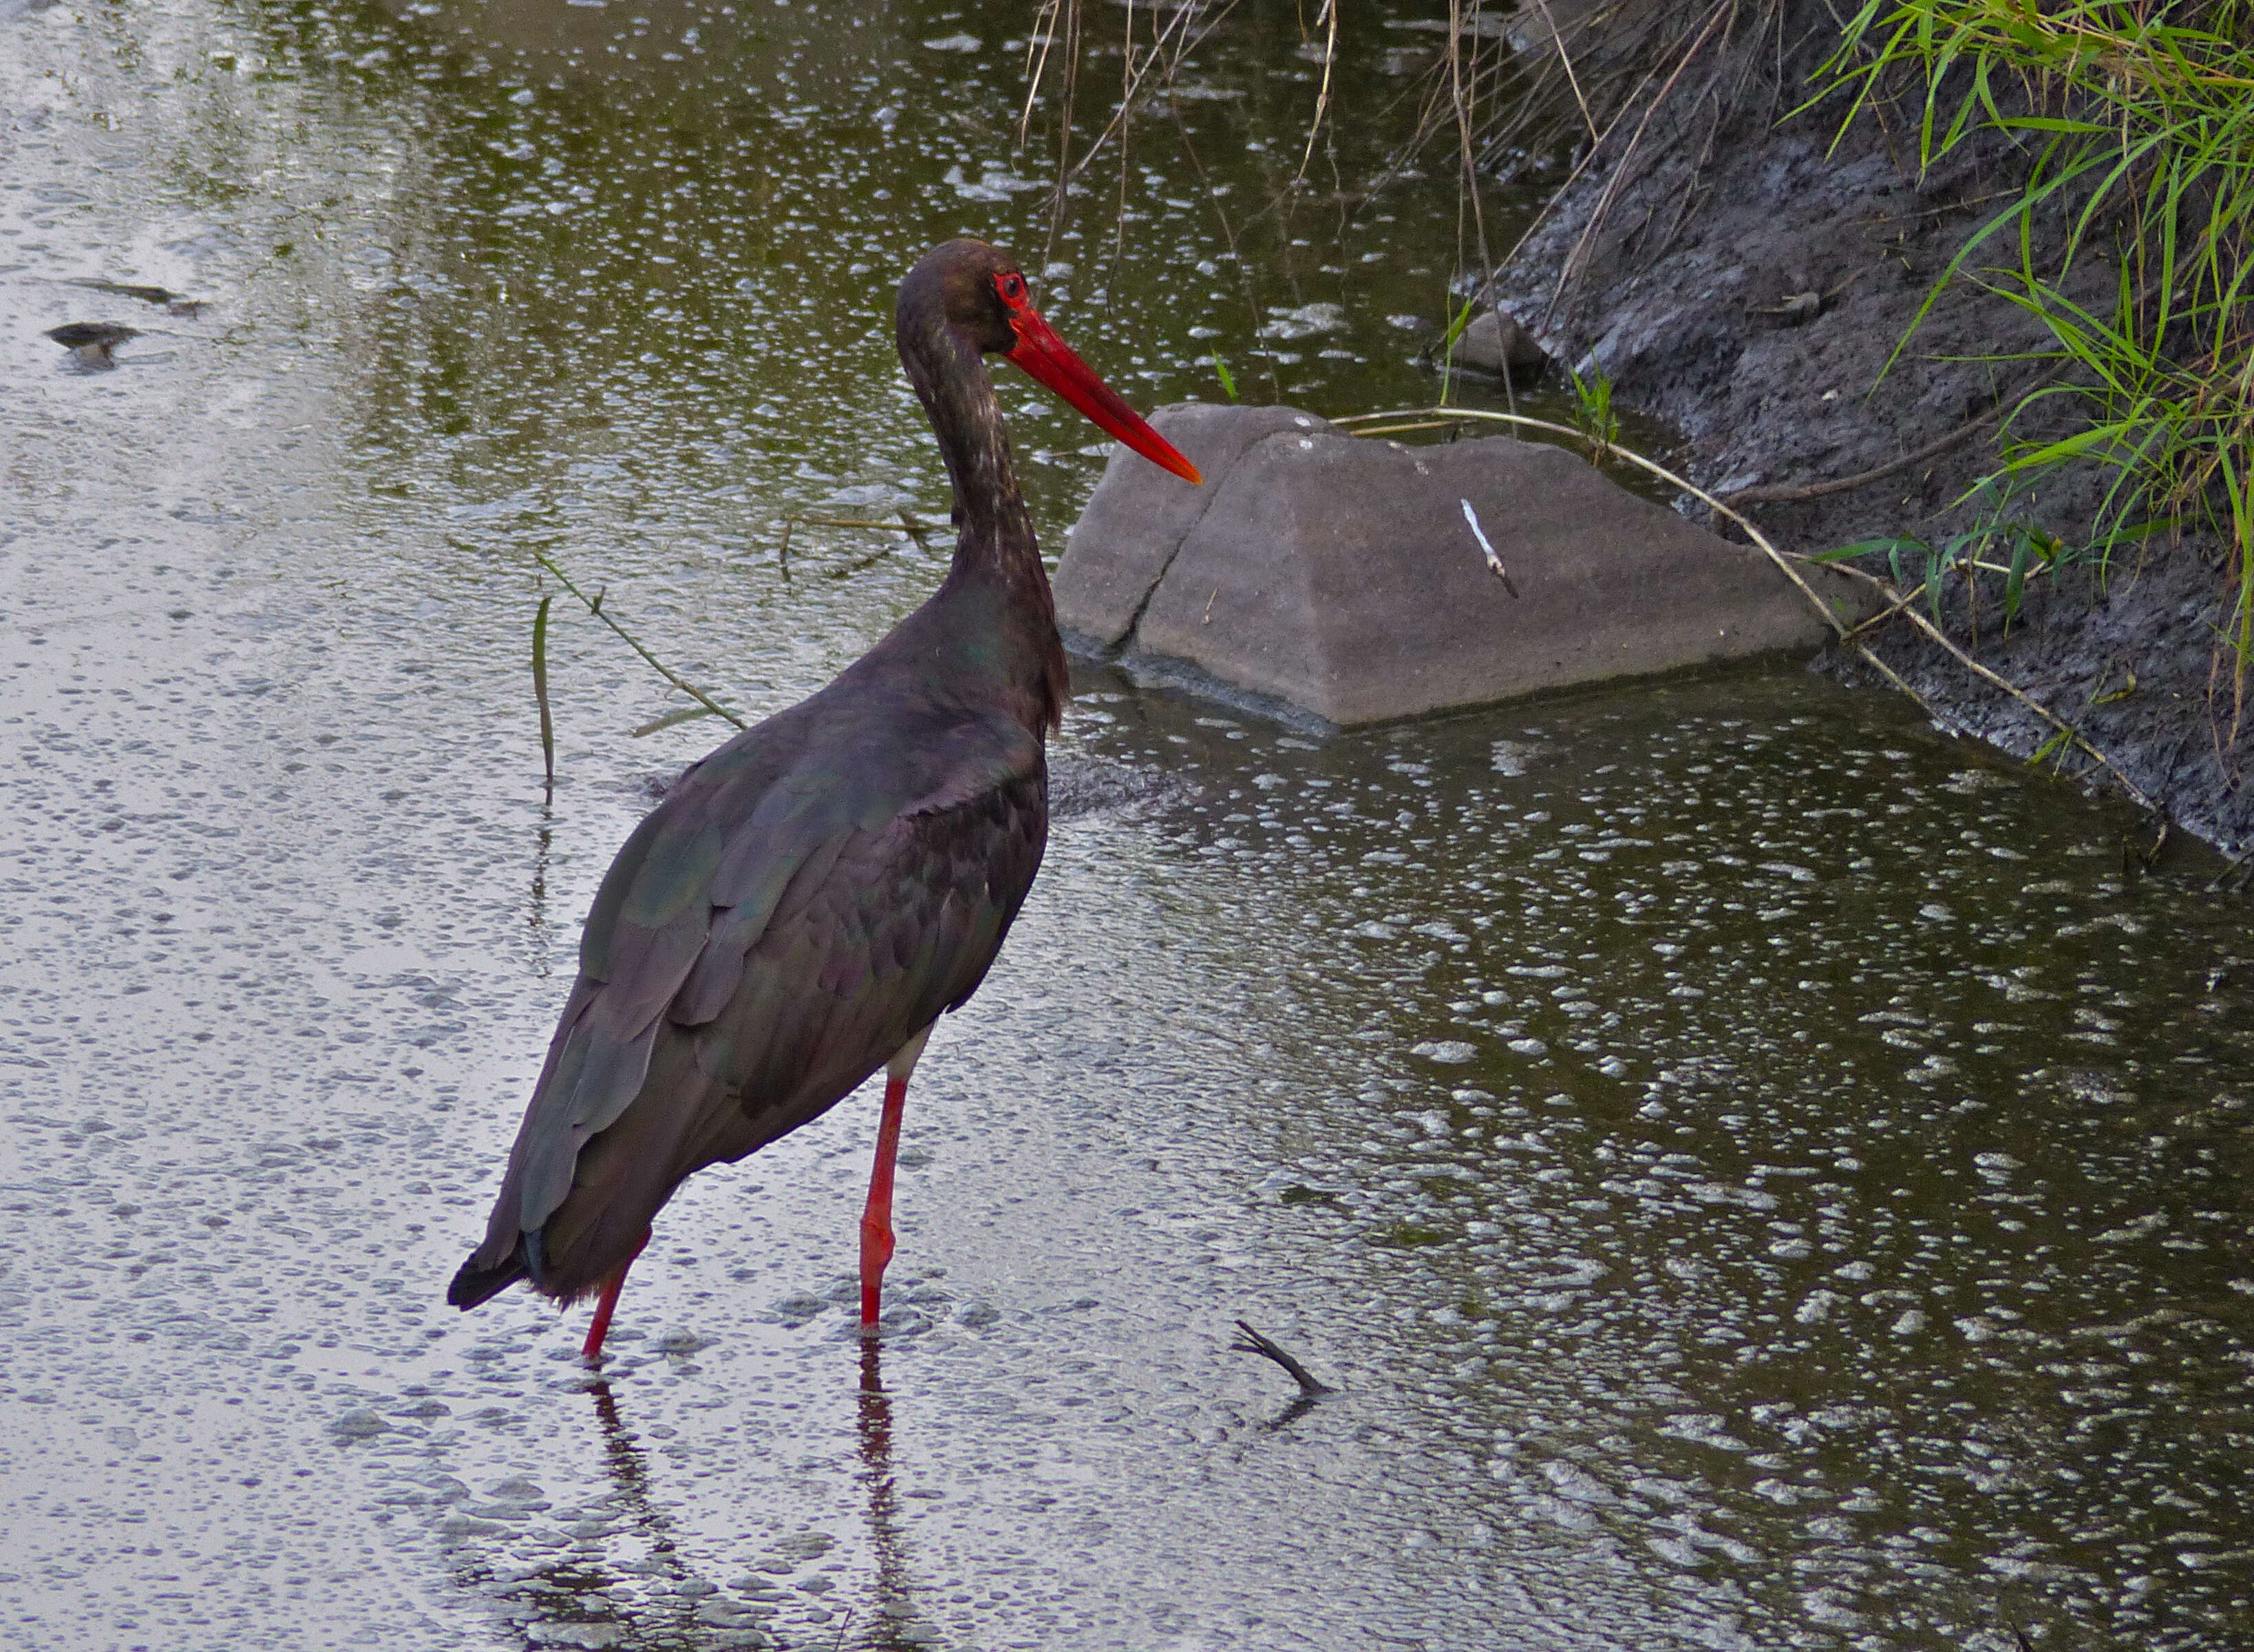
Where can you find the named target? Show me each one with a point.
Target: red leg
(877, 1219)
(592, 1348)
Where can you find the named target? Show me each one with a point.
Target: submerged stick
(1309, 1384)
(913, 527)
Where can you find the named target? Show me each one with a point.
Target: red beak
(1050, 362)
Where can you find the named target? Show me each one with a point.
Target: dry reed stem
(594, 605)
(1788, 566)
(1323, 95)
(1466, 151)
(1566, 62)
(1570, 270)
(1573, 177)
(1170, 48)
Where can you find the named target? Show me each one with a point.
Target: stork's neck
(994, 544)
(994, 532)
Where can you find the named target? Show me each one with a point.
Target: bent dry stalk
(1426, 418)
(706, 705)
(912, 526)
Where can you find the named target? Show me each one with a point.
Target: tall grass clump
(2127, 241)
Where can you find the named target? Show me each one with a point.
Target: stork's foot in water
(877, 1219)
(592, 1349)
(876, 1251)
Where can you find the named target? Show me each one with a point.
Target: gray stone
(1495, 343)
(1341, 575)
(1140, 527)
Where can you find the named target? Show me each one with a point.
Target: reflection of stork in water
(622, 1460)
(578, 1591)
(894, 1611)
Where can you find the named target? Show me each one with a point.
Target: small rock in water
(800, 1306)
(1495, 343)
(1304, 322)
(358, 1423)
(591, 1635)
(91, 342)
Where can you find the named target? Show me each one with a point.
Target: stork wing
(772, 934)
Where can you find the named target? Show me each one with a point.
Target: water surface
(1760, 1173)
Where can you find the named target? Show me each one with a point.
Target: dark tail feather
(475, 1285)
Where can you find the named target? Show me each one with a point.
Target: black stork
(813, 895)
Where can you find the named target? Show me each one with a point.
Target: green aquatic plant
(1221, 371)
(2029, 552)
(1457, 323)
(540, 688)
(1592, 413)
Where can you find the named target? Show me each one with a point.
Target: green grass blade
(2015, 583)
(540, 688)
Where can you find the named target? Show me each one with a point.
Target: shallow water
(1760, 1173)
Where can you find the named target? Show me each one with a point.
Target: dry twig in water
(1309, 1384)
(594, 605)
(915, 527)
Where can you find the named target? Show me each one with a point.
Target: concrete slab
(1342, 574)
(1139, 522)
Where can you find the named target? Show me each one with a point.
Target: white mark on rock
(1493, 562)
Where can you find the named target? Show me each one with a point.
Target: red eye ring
(1011, 286)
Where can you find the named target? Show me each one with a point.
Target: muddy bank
(1749, 280)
